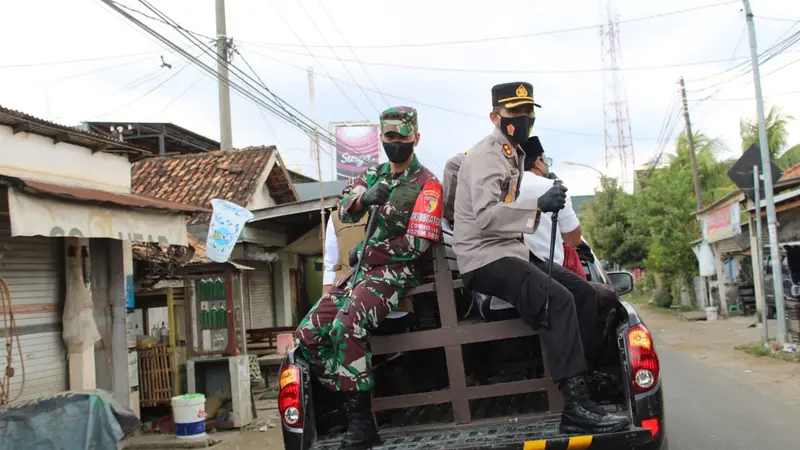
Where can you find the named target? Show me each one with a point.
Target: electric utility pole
(698, 193)
(225, 133)
(772, 227)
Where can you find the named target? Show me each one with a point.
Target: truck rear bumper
(534, 435)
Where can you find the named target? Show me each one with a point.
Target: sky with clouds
(76, 61)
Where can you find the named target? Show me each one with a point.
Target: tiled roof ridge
(253, 148)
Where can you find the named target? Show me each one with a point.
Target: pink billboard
(357, 147)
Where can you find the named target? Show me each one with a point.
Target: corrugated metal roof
(83, 195)
(21, 122)
(310, 191)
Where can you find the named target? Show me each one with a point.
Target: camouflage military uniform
(336, 344)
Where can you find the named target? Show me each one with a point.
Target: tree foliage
(656, 225)
(605, 221)
(777, 132)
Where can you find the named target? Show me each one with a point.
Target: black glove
(554, 199)
(353, 257)
(551, 175)
(376, 195)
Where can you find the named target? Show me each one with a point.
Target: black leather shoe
(582, 416)
(362, 433)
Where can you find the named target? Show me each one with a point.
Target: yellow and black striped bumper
(612, 441)
(573, 443)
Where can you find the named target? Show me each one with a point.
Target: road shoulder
(714, 343)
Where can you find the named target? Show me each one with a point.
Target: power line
(146, 93)
(366, 72)
(72, 61)
(188, 88)
(503, 71)
(136, 11)
(508, 37)
(454, 111)
(262, 101)
(211, 52)
(776, 19)
(297, 36)
(347, 69)
(780, 46)
(736, 99)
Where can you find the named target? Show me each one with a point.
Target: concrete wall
(34, 157)
(261, 198)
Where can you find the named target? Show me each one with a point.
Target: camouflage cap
(400, 119)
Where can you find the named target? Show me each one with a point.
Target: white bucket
(227, 222)
(189, 411)
(711, 313)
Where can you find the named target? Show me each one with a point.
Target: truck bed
(509, 435)
(502, 423)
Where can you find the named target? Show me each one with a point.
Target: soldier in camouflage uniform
(333, 337)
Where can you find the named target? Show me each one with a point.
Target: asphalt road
(709, 409)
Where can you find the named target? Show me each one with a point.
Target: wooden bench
(451, 336)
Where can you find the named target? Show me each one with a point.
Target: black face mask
(398, 152)
(518, 129)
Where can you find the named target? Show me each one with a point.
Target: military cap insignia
(521, 91)
(507, 150)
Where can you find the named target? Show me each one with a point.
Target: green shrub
(662, 299)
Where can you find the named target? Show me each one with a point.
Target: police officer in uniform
(493, 259)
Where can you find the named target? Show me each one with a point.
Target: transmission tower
(616, 120)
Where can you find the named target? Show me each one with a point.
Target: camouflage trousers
(337, 344)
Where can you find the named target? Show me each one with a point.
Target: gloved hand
(554, 199)
(353, 256)
(376, 195)
(551, 175)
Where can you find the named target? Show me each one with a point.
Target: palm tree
(777, 134)
(714, 181)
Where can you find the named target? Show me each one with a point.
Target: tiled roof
(791, 172)
(21, 122)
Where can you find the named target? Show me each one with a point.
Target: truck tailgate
(541, 434)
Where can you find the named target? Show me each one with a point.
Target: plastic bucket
(227, 222)
(189, 411)
(711, 313)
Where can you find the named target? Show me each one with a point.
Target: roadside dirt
(714, 343)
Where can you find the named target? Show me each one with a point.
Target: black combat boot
(581, 415)
(361, 431)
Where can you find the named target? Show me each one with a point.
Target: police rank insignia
(507, 149)
(510, 128)
(509, 198)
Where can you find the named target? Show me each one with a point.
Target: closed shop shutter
(262, 305)
(29, 266)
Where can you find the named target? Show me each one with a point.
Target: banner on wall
(357, 147)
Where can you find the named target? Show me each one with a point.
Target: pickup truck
(448, 379)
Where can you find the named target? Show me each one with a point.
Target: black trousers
(524, 285)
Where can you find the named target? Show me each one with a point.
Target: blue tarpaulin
(66, 421)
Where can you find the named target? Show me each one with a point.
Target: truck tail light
(290, 402)
(644, 361)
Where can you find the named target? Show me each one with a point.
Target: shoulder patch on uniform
(507, 150)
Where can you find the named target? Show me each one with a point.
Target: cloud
(572, 102)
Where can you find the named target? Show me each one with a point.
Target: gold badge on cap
(521, 91)
(507, 150)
